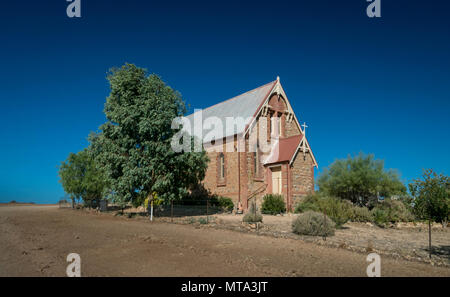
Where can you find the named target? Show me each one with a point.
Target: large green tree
(134, 145)
(360, 179)
(82, 178)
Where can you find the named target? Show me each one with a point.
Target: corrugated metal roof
(244, 106)
(284, 150)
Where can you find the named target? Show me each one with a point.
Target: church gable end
(250, 174)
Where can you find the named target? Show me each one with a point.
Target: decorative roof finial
(278, 78)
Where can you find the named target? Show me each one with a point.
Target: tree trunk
(151, 211)
(429, 237)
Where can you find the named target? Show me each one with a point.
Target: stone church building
(246, 172)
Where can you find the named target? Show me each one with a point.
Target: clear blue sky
(378, 86)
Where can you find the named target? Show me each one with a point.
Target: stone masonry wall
(302, 175)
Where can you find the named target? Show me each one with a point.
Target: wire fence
(173, 209)
(188, 208)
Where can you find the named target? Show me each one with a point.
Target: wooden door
(276, 180)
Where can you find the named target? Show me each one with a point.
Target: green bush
(273, 204)
(225, 203)
(310, 202)
(360, 214)
(336, 209)
(391, 211)
(380, 217)
(398, 211)
(339, 211)
(313, 223)
(203, 221)
(253, 215)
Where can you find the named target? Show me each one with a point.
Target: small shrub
(360, 214)
(253, 218)
(398, 211)
(391, 211)
(336, 209)
(339, 211)
(225, 203)
(273, 204)
(203, 221)
(380, 217)
(308, 203)
(313, 223)
(253, 215)
(191, 220)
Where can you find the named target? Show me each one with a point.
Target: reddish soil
(35, 241)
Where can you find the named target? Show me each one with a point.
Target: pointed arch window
(221, 166)
(275, 127)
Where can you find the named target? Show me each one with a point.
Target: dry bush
(361, 214)
(253, 215)
(313, 223)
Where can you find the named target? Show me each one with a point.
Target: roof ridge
(232, 98)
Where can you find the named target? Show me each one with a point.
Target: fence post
(171, 211)
(207, 204)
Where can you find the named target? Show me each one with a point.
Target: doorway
(276, 180)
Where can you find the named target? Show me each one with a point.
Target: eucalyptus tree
(82, 178)
(134, 145)
(360, 179)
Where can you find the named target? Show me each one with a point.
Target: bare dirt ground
(35, 241)
(406, 240)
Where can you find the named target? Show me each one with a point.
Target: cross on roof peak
(304, 128)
